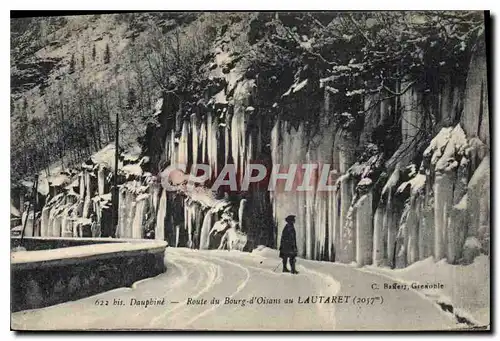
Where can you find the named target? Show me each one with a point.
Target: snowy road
(194, 275)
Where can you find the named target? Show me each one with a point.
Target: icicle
(51, 222)
(349, 236)
(330, 208)
(345, 203)
(210, 148)
(242, 213)
(364, 220)
(28, 218)
(425, 234)
(195, 135)
(82, 185)
(130, 216)
(275, 142)
(443, 200)
(478, 203)
(56, 226)
(137, 230)
(484, 219)
(44, 228)
(309, 225)
(172, 150)
(65, 226)
(154, 192)
(235, 131)
(412, 228)
(100, 180)
(183, 152)
(212, 127)
(120, 232)
(75, 226)
(321, 224)
(378, 237)
(203, 138)
(87, 184)
(391, 226)
(160, 218)
(336, 226)
(239, 124)
(456, 233)
(345, 145)
(86, 207)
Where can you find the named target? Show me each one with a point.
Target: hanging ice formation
(427, 197)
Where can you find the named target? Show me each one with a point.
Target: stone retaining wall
(72, 271)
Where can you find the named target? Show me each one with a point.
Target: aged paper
(250, 171)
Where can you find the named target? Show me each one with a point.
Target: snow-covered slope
(466, 288)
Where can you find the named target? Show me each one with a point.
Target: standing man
(288, 245)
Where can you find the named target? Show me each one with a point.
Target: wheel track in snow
(312, 275)
(179, 268)
(238, 289)
(212, 274)
(238, 275)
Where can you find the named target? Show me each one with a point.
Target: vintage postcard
(254, 171)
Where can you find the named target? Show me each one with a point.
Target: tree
(83, 60)
(93, 52)
(106, 54)
(72, 64)
(383, 55)
(173, 58)
(131, 98)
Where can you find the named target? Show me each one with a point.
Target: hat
(290, 218)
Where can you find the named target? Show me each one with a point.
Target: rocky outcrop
(409, 176)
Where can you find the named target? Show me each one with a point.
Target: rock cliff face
(411, 178)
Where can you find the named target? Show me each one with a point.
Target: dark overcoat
(288, 245)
